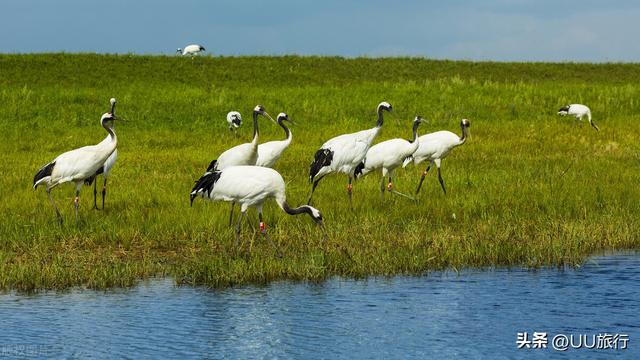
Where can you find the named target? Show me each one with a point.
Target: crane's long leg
(263, 231)
(238, 228)
(58, 216)
(382, 187)
(76, 202)
(95, 194)
(441, 181)
(313, 188)
(394, 191)
(233, 204)
(424, 174)
(104, 190)
(349, 190)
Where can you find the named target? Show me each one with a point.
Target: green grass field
(529, 188)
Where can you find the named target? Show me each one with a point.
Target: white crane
(105, 170)
(579, 111)
(192, 50)
(78, 165)
(388, 155)
(243, 154)
(435, 147)
(343, 153)
(270, 152)
(234, 119)
(249, 186)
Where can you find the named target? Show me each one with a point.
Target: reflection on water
(475, 314)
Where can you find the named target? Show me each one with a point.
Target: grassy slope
(529, 188)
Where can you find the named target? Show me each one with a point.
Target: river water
(472, 314)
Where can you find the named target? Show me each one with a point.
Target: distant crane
(78, 165)
(434, 147)
(243, 154)
(270, 152)
(191, 50)
(343, 153)
(105, 170)
(388, 155)
(579, 111)
(249, 186)
(234, 119)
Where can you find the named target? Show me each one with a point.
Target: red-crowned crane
(579, 111)
(249, 186)
(105, 170)
(388, 155)
(434, 147)
(78, 165)
(234, 119)
(344, 152)
(270, 152)
(191, 50)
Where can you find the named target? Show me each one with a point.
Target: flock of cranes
(243, 174)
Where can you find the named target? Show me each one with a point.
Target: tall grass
(528, 189)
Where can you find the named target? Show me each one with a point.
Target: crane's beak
(269, 116)
(292, 122)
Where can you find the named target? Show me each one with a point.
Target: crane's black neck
(109, 128)
(415, 131)
(304, 209)
(463, 137)
(380, 117)
(287, 133)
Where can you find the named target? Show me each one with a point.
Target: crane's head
(465, 123)
(563, 110)
(418, 120)
(179, 50)
(385, 106)
(108, 118)
(234, 119)
(259, 110)
(284, 117)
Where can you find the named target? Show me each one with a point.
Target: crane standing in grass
(344, 152)
(249, 186)
(234, 119)
(388, 155)
(436, 146)
(191, 50)
(78, 165)
(270, 152)
(243, 154)
(579, 111)
(105, 170)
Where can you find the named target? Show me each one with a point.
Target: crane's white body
(388, 155)
(79, 164)
(111, 160)
(243, 154)
(348, 151)
(271, 151)
(579, 111)
(248, 186)
(191, 50)
(434, 147)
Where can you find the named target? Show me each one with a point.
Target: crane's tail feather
(407, 161)
(205, 184)
(43, 174)
(212, 165)
(322, 158)
(359, 170)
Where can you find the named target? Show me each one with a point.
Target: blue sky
(520, 30)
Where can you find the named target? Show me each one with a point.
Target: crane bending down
(388, 155)
(243, 154)
(105, 170)
(192, 50)
(77, 165)
(270, 152)
(343, 153)
(234, 119)
(579, 111)
(249, 186)
(434, 147)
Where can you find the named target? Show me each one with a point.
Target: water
(476, 314)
